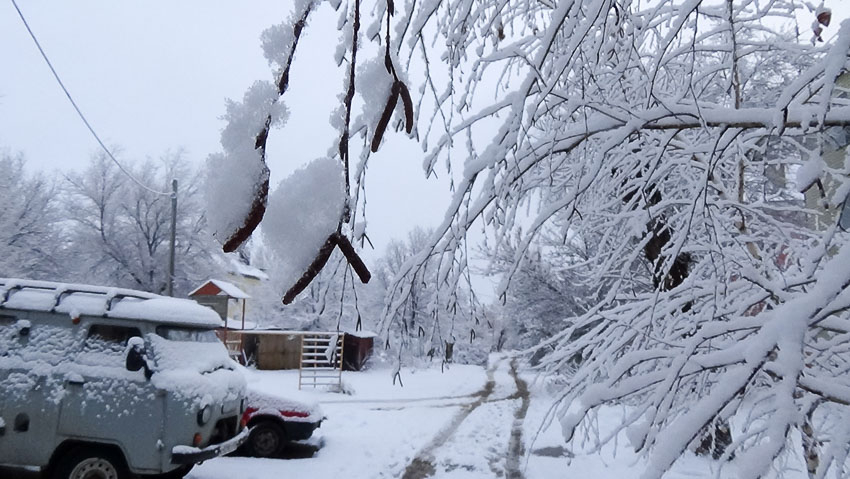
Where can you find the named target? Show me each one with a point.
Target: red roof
(217, 287)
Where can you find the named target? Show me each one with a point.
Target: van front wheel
(86, 463)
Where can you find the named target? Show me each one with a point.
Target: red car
(276, 421)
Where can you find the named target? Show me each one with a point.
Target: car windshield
(195, 335)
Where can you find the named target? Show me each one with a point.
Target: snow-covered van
(106, 383)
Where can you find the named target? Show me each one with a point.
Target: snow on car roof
(81, 299)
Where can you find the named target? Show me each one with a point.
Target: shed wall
(278, 351)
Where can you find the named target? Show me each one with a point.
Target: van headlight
(204, 415)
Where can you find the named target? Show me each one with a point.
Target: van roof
(80, 299)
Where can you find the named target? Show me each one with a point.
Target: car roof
(120, 303)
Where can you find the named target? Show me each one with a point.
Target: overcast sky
(152, 76)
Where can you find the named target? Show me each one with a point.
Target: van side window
(109, 339)
(113, 334)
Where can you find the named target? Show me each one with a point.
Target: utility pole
(173, 237)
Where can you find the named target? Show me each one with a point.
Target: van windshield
(180, 348)
(195, 335)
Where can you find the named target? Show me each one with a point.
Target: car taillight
(294, 414)
(197, 440)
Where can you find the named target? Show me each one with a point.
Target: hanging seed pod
(408, 107)
(824, 17)
(258, 210)
(385, 117)
(335, 239)
(388, 62)
(312, 271)
(353, 258)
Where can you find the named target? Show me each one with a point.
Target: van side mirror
(136, 357)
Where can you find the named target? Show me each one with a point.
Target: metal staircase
(321, 360)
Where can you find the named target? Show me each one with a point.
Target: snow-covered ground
(467, 422)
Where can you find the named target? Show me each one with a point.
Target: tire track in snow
(423, 465)
(402, 401)
(516, 449)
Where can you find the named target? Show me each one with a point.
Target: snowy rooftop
(233, 323)
(236, 266)
(224, 288)
(80, 299)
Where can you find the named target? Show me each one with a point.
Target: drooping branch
(334, 240)
(349, 97)
(261, 196)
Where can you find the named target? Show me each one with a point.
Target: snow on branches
(238, 179)
(659, 139)
(310, 207)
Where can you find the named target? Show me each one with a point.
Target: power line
(80, 113)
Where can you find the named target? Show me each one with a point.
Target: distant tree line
(98, 226)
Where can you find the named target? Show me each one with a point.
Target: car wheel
(86, 463)
(266, 439)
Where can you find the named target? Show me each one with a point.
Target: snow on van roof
(81, 299)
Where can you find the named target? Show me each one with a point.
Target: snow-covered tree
(546, 290)
(30, 242)
(645, 128)
(120, 230)
(434, 320)
(415, 316)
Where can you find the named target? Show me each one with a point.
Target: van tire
(266, 439)
(80, 462)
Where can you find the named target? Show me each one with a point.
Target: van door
(29, 389)
(7, 337)
(106, 403)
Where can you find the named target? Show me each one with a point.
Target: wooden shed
(357, 349)
(217, 294)
(277, 349)
(272, 350)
